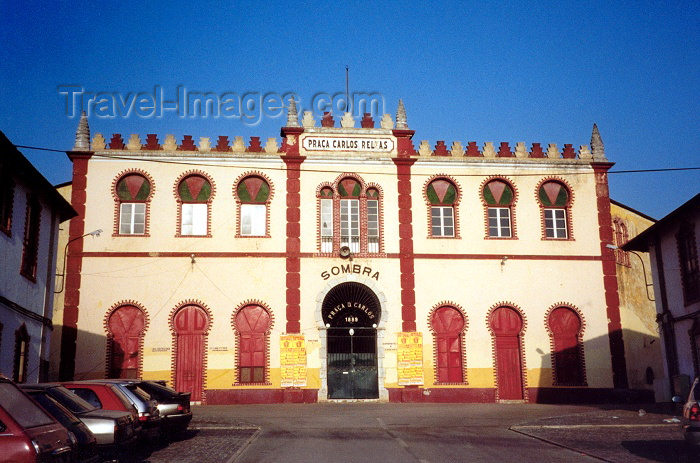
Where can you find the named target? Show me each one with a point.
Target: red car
(27, 432)
(106, 397)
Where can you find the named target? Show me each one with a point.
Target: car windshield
(157, 390)
(63, 415)
(140, 393)
(71, 401)
(25, 412)
(122, 397)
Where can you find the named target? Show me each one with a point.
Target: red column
(403, 172)
(74, 263)
(612, 298)
(293, 162)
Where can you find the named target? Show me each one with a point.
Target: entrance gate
(351, 313)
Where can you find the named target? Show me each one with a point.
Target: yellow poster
(293, 360)
(409, 353)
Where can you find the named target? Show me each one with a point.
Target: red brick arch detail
(459, 308)
(569, 223)
(323, 185)
(117, 201)
(173, 340)
(513, 222)
(179, 201)
(455, 205)
(523, 366)
(581, 352)
(363, 185)
(105, 324)
(267, 339)
(253, 173)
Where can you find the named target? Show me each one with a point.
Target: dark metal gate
(352, 363)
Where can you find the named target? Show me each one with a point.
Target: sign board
(409, 355)
(293, 360)
(348, 143)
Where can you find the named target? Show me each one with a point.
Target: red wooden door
(448, 323)
(565, 326)
(126, 325)
(506, 324)
(252, 323)
(190, 324)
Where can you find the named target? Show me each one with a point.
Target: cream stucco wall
(158, 273)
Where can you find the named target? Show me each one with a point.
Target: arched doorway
(565, 328)
(351, 313)
(506, 325)
(190, 324)
(126, 326)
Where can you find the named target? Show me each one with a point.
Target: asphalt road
(425, 433)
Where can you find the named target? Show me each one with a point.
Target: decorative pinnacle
(597, 147)
(401, 122)
(292, 116)
(82, 135)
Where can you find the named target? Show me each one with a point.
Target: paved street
(427, 433)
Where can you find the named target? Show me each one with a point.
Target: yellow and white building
(344, 263)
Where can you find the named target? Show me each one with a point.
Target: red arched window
(252, 324)
(498, 196)
(349, 216)
(565, 329)
(448, 324)
(442, 198)
(126, 326)
(133, 192)
(253, 195)
(194, 194)
(555, 201)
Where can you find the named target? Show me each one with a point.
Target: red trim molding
(612, 297)
(406, 263)
(74, 263)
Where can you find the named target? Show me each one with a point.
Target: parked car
(27, 432)
(85, 450)
(691, 414)
(111, 394)
(174, 406)
(113, 430)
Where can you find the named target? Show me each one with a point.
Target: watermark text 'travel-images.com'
(249, 107)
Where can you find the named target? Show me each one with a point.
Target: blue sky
(479, 71)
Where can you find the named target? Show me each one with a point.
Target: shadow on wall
(565, 377)
(91, 366)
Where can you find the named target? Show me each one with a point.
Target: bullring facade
(341, 264)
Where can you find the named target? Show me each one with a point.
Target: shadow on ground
(663, 450)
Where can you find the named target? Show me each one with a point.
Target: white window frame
(350, 224)
(128, 211)
(555, 226)
(253, 219)
(373, 225)
(194, 218)
(326, 225)
(499, 222)
(441, 221)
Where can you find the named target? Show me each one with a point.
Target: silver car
(111, 428)
(691, 414)
(149, 415)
